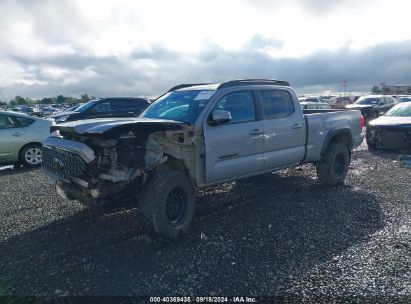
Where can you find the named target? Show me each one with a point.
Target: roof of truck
(227, 84)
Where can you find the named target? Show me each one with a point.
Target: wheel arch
(341, 135)
(28, 144)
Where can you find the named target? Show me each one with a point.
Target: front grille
(395, 139)
(62, 163)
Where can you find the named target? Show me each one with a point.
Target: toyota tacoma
(195, 136)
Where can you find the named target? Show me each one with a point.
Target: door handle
(296, 126)
(17, 134)
(256, 132)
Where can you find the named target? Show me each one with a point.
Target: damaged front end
(94, 165)
(390, 137)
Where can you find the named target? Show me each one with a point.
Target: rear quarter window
(23, 121)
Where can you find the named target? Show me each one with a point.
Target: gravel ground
(280, 234)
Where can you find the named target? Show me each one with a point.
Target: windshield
(86, 106)
(368, 100)
(404, 99)
(184, 106)
(401, 110)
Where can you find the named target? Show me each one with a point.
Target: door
(234, 149)
(284, 129)
(12, 137)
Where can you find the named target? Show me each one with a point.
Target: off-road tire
(163, 189)
(24, 157)
(333, 167)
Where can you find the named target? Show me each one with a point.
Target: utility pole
(344, 85)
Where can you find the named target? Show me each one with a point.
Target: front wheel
(30, 155)
(333, 167)
(167, 204)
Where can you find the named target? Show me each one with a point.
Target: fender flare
(333, 133)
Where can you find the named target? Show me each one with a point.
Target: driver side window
(239, 104)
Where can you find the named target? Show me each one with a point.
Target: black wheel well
(343, 137)
(175, 164)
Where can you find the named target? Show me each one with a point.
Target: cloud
(113, 48)
(151, 71)
(314, 7)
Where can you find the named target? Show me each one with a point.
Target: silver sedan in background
(21, 136)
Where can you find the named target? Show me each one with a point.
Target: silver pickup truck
(194, 136)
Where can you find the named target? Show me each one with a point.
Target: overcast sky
(141, 48)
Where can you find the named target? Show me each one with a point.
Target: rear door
(234, 149)
(284, 129)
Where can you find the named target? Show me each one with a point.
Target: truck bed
(322, 126)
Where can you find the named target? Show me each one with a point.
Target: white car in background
(21, 136)
(340, 102)
(315, 106)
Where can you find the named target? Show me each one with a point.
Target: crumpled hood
(391, 121)
(103, 125)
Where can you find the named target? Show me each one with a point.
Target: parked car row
(21, 134)
(23, 131)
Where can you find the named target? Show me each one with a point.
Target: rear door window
(22, 121)
(124, 104)
(102, 106)
(277, 103)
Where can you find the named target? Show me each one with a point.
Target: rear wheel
(30, 155)
(333, 167)
(167, 204)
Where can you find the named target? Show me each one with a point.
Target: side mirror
(218, 116)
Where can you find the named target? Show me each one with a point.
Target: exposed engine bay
(95, 166)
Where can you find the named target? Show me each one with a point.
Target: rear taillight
(362, 122)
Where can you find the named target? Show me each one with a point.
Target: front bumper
(390, 137)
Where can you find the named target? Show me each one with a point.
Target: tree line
(20, 101)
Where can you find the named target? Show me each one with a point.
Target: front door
(234, 149)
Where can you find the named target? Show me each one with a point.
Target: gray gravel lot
(280, 234)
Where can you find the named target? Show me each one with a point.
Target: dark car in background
(392, 130)
(372, 106)
(105, 107)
